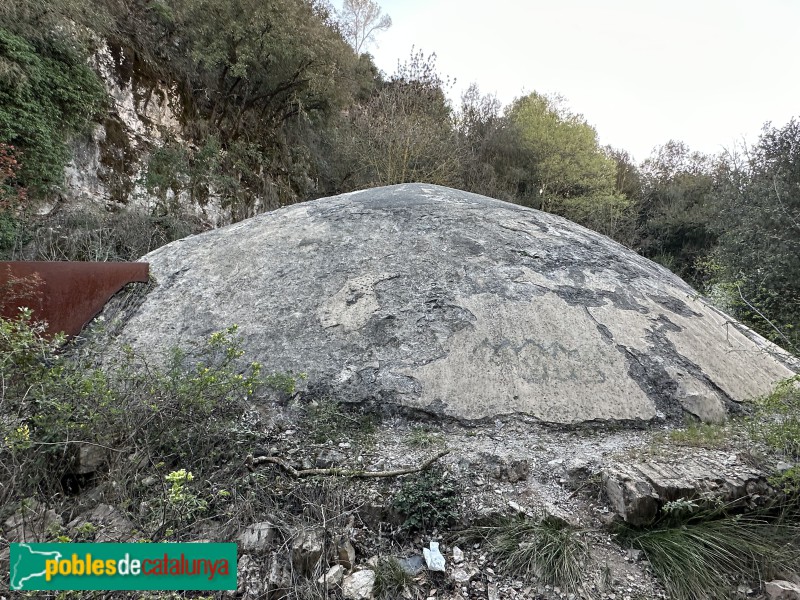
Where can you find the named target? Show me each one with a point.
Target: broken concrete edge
(637, 492)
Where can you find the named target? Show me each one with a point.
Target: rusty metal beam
(65, 294)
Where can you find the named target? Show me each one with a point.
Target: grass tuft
(703, 559)
(548, 549)
(701, 435)
(391, 580)
(778, 422)
(420, 437)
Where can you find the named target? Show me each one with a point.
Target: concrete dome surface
(459, 305)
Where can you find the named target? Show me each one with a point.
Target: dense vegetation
(277, 108)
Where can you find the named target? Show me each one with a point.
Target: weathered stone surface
(90, 459)
(279, 578)
(782, 590)
(32, 523)
(358, 586)
(458, 305)
(110, 523)
(463, 575)
(334, 576)
(636, 491)
(256, 537)
(328, 458)
(346, 552)
(413, 565)
(249, 582)
(307, 550)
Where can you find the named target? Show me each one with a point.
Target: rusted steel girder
(65, 294)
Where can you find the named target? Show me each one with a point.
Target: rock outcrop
(637, 490)
(459, 305)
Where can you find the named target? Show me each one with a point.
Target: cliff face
(108, 166)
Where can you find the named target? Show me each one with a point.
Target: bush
(46, 92)
(778, 421)
(427, 500)
(706, 554)
(179, 419)
(391, 579)
(91, 236)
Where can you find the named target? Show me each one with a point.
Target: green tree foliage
(759, 234)
(629, 178)
(562, 167)
(564, 157)
(258, 77)
(491, 148)
(404, 132)
(676, 210)
(46, 93)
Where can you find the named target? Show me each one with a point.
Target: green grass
(391, 580)
(420, 437)
(548, 549)
(777, 423)
(329, 420)
(701, 435)
(701, 559)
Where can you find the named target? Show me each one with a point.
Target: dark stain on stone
(675, 305)
(649, 371)
(650, 375)
(119, 160)
(605, 332)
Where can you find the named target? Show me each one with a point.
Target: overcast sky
(707, 72)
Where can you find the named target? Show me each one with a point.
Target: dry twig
(252, 462)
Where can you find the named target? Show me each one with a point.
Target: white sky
(706, 72)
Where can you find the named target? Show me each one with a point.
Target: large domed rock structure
(460, 305)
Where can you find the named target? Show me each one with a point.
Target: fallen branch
(252, 462)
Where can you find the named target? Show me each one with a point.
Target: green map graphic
(29, 564)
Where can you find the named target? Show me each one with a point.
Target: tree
(263, 77)
(759, 234)
(561, 168)
(676, 210)
(361, 20)
(488, 145)
(47, 92)
(405, 132)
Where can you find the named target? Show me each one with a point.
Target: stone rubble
(358, 586)
(256, 537)
(782, 590)
(307, 550)
(636, 491)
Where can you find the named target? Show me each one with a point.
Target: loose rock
(307, 550)
(334, 576)
(347, 553)
(256, 537)
(782, 590)
(358, 586)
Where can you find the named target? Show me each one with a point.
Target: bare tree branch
(252, 462)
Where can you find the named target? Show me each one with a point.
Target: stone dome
(459, 305)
